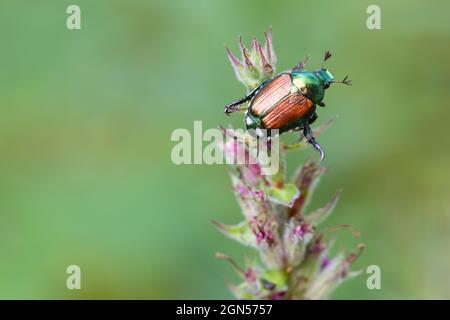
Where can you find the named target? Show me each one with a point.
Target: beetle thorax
(309, 84)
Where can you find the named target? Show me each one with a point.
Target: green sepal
(277, 277)
(240, 232)
(285, 195)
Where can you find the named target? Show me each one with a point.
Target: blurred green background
(86, 118)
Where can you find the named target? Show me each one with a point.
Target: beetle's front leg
(307, 133)
(235, 106)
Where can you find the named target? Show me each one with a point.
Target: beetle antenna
(346, 81)
(301, 64)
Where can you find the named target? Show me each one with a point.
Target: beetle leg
(322, 104)
(234, 106)
(307, 133)
(229, 109)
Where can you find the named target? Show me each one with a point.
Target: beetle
(288, 101)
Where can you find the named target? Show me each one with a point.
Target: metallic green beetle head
(312, 84)
(326, 77)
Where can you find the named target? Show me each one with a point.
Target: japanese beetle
(287, 102)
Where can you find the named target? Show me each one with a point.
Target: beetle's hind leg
(307, 133)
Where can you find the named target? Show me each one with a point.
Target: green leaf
(285, 195)
(240, 232)
(277, 277)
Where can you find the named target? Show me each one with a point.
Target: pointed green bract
(240, 232)
(285, 195)
(257, 63)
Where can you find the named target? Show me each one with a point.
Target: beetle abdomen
(288, 111)
(271, 94)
